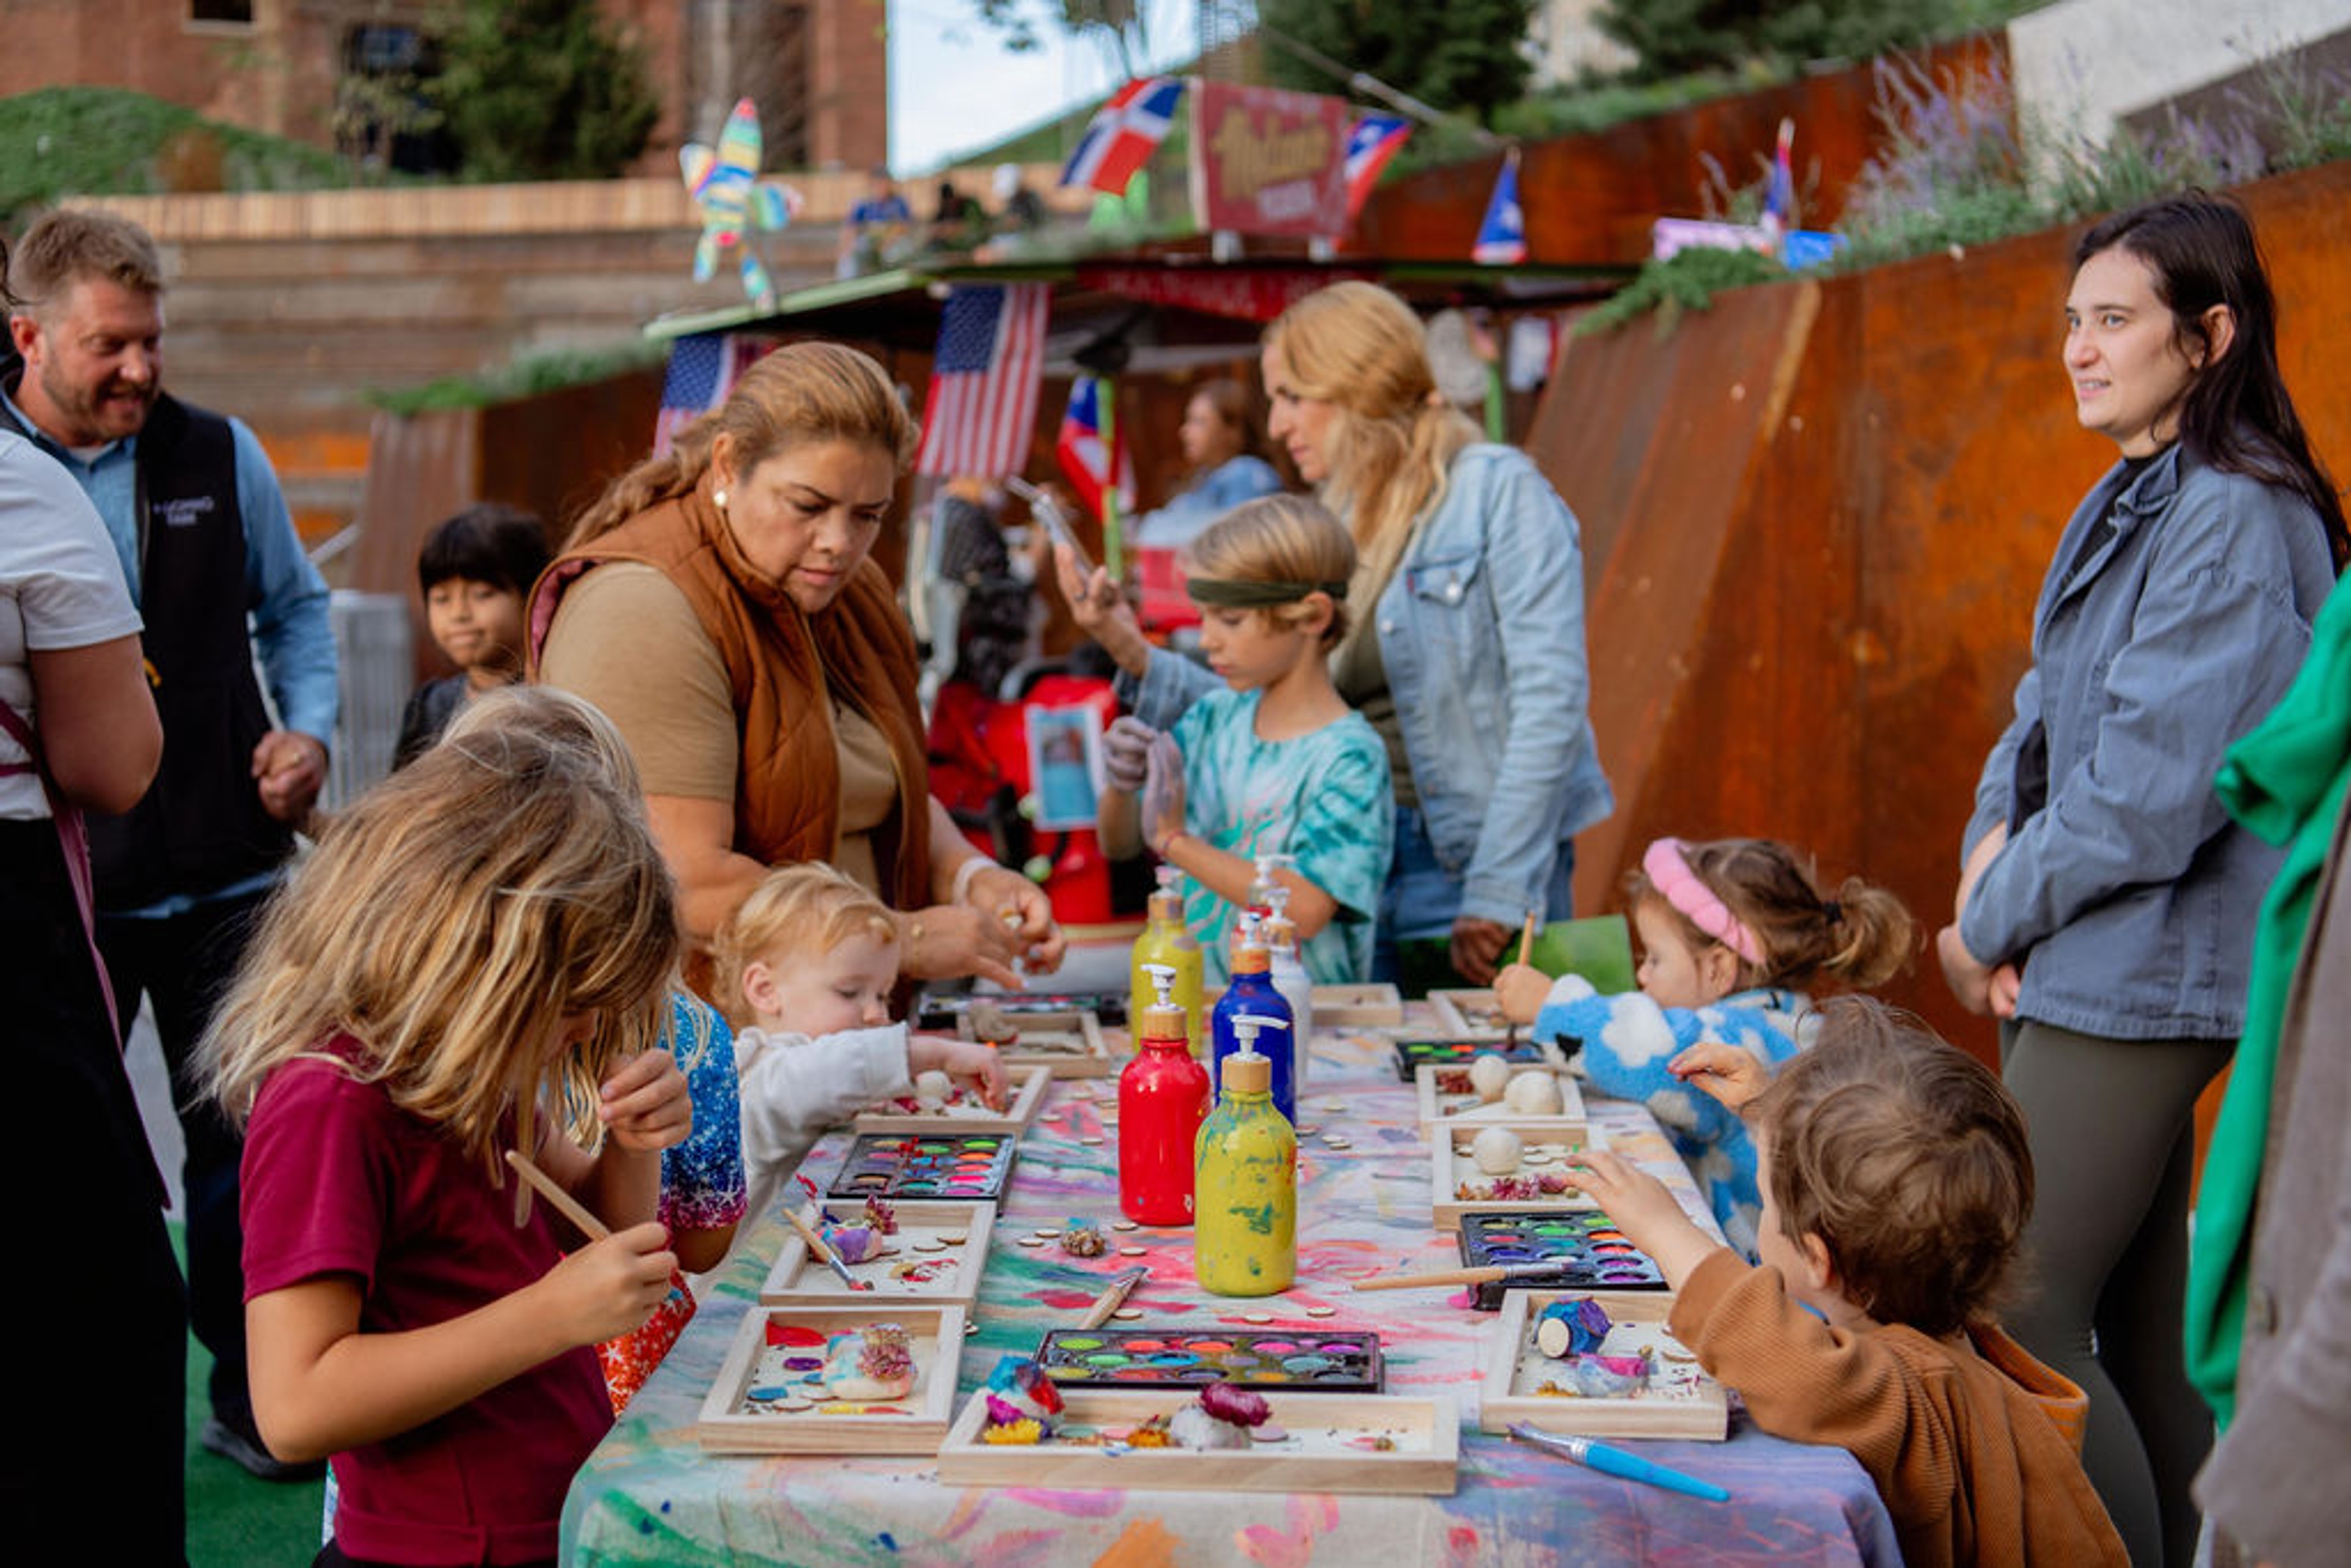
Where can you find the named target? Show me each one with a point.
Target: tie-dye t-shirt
(1323, 797)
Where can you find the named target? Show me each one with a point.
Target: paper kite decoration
(734, 201)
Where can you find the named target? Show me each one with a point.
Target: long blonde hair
(1392, 439)
(801, 392)
(445, 922)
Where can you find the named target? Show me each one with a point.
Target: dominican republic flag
(1780, 196)
(1079, 449)
(1124, 132)
(982, 403)
(703, 368)
(1374, 139)
(1502, 238)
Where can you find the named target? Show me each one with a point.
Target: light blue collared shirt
(286, 598)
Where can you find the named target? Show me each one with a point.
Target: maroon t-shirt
(338, 1180)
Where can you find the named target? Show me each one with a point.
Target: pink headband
(1672, 876)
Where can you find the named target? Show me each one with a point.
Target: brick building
(817, 69)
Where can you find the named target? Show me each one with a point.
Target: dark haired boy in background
(475, 570)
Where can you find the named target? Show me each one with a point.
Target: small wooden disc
(1321, 1312)
(1133, 1251)
(1123, 1224)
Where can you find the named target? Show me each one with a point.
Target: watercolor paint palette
(1523, 1383)
(941, 1012)
(938, 1253)
(1536, 1184)
(769, 1396)
(1470, 1014)
(964, 1166)
(1264, 1359)
(965, 1112)
(1412, 1055)
(1365, 1443)
(1586, 1250)
(1447, 1100)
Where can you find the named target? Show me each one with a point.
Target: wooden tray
(1470, 1014)
(1314, 1458)
(1029, 1084)
(1372, 1005)
(1067, 1043)
(1413, 1052)
(1441, 1112)
(1682, 1400)
(914, 1425)
(1449, 1169)
(799, 1280)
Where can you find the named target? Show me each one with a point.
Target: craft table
(649, 1494)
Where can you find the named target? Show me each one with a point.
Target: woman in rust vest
(717, 601)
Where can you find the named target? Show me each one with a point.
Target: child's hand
(1163, 793)
(1126, 753)
(975, 1062)
(1729, 1072)
(1644, 1211)
(609, 1288)
(1520, 990)
(645, 1104)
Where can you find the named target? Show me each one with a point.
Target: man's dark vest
(200, 826)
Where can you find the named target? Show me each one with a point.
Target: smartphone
(1048, 514)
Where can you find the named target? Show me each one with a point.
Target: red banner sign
(1246, 294)
(1268, 162)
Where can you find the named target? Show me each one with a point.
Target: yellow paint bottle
(1165, 941)
(1245, 1181)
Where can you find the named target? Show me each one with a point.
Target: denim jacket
(1481, 630)
(2124, 891)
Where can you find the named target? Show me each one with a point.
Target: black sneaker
(244, 1445)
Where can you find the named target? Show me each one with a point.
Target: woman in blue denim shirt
(1471, 662)
(2106, 905)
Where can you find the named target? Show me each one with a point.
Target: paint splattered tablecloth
(649, 1494)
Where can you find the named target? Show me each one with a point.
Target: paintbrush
(1484, 1274)
(587, 1224)
(823, 1253)
(1619, 1462)
(1109, 1300)
(1526, 945)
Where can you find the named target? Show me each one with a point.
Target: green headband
(1239, 594)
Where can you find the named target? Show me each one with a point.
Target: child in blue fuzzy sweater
(1731, 932)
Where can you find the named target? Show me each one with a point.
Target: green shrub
(61, 141)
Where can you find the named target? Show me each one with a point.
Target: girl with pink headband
(1733, 933)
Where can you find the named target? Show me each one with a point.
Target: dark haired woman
(2108, 903)
(1220, 451)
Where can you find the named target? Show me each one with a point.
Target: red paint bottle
(1162, 1098)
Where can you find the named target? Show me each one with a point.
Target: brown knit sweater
(1976, 1451)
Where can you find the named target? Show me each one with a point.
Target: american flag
(982, 404)
(702, 371)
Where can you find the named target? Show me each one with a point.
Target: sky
(953, 86)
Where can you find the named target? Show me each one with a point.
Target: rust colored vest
(780, 663)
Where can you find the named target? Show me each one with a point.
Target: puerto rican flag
(1079, 447)
(1374, 139)
(1502, 238)
(1124, 132)
(982, 403)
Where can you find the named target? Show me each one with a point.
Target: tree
(542, 90)
(1120, 29)
(1462, 55)
(1674, 38)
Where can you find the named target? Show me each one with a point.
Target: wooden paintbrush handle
(1440, 1276)
(817, 1248)
(1526, 938)
(565, 1204)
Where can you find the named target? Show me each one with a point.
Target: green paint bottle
(1245, 1230)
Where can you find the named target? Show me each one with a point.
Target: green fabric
(1244, 594)
(2286, 783)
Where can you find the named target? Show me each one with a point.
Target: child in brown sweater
(1895, 1184)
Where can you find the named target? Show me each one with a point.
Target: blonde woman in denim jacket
(1471, 665)
(2106, 906)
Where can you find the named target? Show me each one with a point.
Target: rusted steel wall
(1816, 518)
(1590, 199)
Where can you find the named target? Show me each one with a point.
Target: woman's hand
(1021, 907)
(1477, 947)
(1980, 988)
(645, 1103)
(949, 941)
(972, 1061)
(1519, 990)
(1102, 612)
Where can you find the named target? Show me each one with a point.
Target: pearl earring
(719, 496)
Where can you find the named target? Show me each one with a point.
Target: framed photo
(1065, 766)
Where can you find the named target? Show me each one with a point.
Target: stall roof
(1098, 296)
